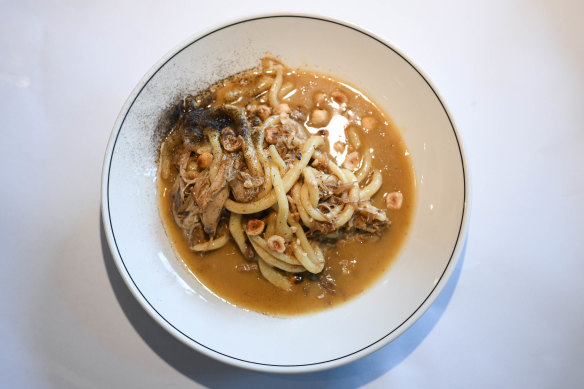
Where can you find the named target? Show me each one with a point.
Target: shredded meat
(210, 196)
(366, 224)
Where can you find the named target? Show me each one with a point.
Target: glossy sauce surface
(354, 265)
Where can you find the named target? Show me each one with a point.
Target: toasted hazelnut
(394, 200)
(339, 146)
(318, 98)
(282, 108)
(229, 140)
(205, 160)
(227, 131)
(277, 243)
(232, 143)
(254, 227)
(263, 111)
(368, 123)
(339, 97)
(319, 117)
(271, 134)
(352, 161)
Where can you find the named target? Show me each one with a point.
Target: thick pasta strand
(370, 189)
(281, 256)
(275, 262)
(213, 137)
(267, 189)
(310, 182)
(353, 138)
(282, 227)
(347, 212)
(274, 277)
(305, 244)
(275, 89)
(236, 231)
(286, 88)
(302, 257)
(365, 167)
(295, 192)
(312, 212)
(212, 244)
(276, 159)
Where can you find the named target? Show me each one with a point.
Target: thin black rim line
(361, 32)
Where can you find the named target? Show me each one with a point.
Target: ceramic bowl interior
(248, 339)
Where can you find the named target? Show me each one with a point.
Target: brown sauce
(354, 265)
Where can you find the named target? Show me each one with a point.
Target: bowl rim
(218, 355)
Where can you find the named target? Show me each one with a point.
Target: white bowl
(248, 339)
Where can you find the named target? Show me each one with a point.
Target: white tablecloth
(512, 314)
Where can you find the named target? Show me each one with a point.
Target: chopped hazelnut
(368, 123)
(394, 200)
(339, 146)
(232, 143)
(205, 160)
(282, 108)
(339, 97)
(229, 140)
(318, 98)
(352, 161)
(277, 243)
(254, 227)
(227, 131)
(263, 111)
(271, 135)
(319, 117)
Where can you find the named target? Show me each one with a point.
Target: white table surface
(511, 316)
